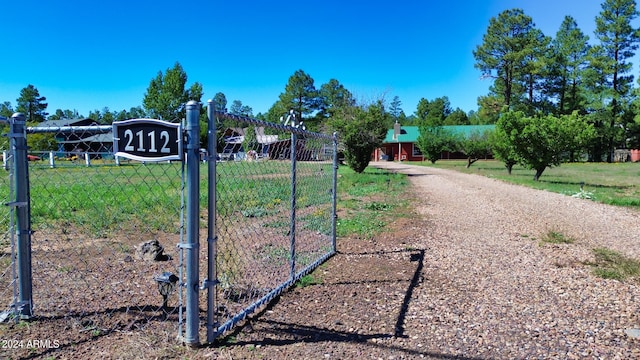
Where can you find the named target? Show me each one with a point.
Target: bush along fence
(136, 227)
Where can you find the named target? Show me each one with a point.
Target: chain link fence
(7, 270)
(103, 230)
(107, 234)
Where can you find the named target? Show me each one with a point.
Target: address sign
(147, 140)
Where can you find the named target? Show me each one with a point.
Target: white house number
(138, 137)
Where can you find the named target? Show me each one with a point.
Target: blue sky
(87, 55)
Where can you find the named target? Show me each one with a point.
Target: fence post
(18, 140)
(292, 230)
(212, 238)
(52, 162)
(192, 239)
(335, 192)
(5, 162)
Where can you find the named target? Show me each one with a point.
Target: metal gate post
(191, 245)
(292, 230)
(18, 140)
(334, 201)
(212, 238)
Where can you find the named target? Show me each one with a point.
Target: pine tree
(32, 104)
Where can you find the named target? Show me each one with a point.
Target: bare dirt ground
(466, 277)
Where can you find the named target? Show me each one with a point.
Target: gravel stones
(487, 288)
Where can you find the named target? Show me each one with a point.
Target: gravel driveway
(467, 278)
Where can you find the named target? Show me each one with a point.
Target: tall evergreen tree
(64, 114)
(221, 102)
(507, 55)
(237, 108)
(6, 109)
(333, 96)
(395, 109)
(618, 41)
(166, 95)
(435, 112)
(534, 68)
(300, 95)
(32, 104)
(565, 85)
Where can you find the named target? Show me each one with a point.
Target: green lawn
(100, 199)
(368, 201)
(615, 184)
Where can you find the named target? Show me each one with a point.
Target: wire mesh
(106, 229)
(8, 290)
(273, 212)
(103, 233)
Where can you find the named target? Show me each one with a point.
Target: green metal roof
(409, 134)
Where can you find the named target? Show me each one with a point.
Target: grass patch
(614, 184)
(610, 264)
(254, 212)
(376, 206)
(308, 280)
(317, 222)
(102, 200)
(278, 255)
(366, 201)
(555, 237)
(360, 224)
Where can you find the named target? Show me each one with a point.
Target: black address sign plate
(147, 140)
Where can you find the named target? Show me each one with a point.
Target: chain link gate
(273, 192)
(113, 245)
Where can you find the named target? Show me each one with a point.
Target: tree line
(331, 107)
(552, 99)
(539, 75)
(542, 87)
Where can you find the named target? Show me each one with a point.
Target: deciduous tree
(457, 117)
(433, 140)
(476, 146)
(539, 142)
(361, 130)
(503, 149)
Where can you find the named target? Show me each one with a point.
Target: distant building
(400, 142)
(78, 142)
(234, 138)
